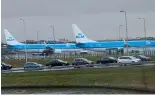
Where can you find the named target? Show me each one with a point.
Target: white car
(125, 60)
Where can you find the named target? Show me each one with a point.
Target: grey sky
(98, 19)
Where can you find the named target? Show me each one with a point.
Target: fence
(64, 55)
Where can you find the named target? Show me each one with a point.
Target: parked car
(82, 61)
(57, 62)
(5, 66)
(84, 52)
(129, 60)
(143, 58)
(37, 54)
(33, 65)
(107, 60)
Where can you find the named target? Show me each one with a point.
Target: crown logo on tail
(10, 39)
(80, 35)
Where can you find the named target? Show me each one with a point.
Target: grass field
(122, 77)
(20, 63)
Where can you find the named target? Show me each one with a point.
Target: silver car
(129, 60)
(32, 65)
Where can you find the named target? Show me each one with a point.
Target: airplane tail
(79, 35)
(10, 40)
(124, 41)
(45, 44)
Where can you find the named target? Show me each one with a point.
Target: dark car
(37, 54)
(82, 61)
(48, 50)
(107, 60)
(5, 66)
(143, 58)
(57, 62)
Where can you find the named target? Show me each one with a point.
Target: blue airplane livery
(13, 44)
(82, 43)
(85, 43)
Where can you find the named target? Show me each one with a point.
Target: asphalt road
(114, 65)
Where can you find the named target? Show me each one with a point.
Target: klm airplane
(13, 44)
(85, 43)
(82, 43)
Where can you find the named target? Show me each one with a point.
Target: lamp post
(144, 77)
(120, 31)
(25, 39)
(53, 33)
(53, 36)
(37, 41)
(144, 34)
(37, 36)
(126, 31)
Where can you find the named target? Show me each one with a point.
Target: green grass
(20, 63)
(124, 77)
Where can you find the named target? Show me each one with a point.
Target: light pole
(37, 36)
(120, 31)
(126, 31)
(144, 77)
(53, 36)
(144, 33)
(53, 33)
(25, 39)
(37, 41)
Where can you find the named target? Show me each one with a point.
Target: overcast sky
(98, 19)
